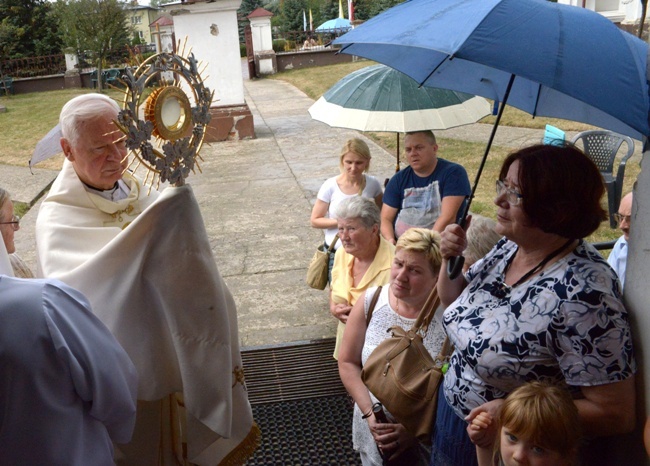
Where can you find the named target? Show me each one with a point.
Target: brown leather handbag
(404, 376)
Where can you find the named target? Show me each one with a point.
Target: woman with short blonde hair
(413, 274)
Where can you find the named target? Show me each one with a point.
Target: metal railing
(55, 64)
(33, 66)
(305, 41)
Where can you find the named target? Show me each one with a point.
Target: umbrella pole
(397, 155)
(455, 264)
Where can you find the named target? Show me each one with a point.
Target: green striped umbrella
(379, 98)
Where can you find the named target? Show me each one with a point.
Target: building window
(136, 19)
(141, 34)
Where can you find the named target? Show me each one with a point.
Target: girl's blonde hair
(357, 146)
(544, 415)
(424, 241)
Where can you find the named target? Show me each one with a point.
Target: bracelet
(367, 415)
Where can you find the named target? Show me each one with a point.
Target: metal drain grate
(291, 371)
(300, 405)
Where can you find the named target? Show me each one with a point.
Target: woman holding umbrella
(353, 180)
(542, 305)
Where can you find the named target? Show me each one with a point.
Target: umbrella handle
(454, 266)
(455, 263)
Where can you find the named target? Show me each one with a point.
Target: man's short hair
(427, 132)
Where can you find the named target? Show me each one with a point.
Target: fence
(297, 41)
(34, 66)
(48, 65)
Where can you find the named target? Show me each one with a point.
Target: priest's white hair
(83, 108)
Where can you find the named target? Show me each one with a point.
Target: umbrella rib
(451, 57)
(539, 92)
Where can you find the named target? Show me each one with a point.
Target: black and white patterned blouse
(567, 325)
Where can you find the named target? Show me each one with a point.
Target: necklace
(360, 272)
(397, 300)
(405, 321)
(499, 289)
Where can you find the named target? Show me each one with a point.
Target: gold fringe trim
(242, 452)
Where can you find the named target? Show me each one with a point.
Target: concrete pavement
(256, 197)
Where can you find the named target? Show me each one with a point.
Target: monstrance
(166, 110)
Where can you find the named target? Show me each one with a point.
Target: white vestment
(156, 286)
(66, 386)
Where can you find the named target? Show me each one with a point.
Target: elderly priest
(144, 261)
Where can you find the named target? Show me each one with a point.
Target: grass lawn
(28, 118)
(316, 81)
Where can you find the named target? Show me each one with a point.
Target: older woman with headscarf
(413, 274)
(9, 225)
(542, 305)
(362, 262)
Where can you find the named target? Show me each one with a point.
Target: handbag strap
(371, 306)
(428, 310)
(333, 243)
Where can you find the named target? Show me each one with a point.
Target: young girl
(538, 425)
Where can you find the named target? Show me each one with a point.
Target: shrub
(278, 45)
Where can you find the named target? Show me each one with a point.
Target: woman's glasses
(512, 196)
(15, 222)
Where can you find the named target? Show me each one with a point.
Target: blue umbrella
(569, 62)
(337, 24)
(545, 58)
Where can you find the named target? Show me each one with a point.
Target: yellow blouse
(342, 285)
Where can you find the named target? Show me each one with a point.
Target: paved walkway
(256, 197)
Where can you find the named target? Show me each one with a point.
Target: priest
(144, 261)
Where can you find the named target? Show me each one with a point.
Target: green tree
(362, 9)
(245, 9)
(97, 27)
(34, 28)
(379, 6)
(292, 18)
(136, 39)
(7, 32)
(329, 9)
